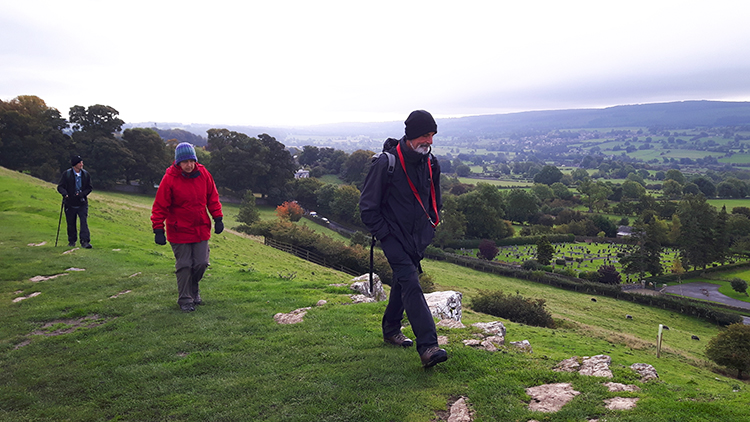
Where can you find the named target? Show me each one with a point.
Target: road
(707, 291)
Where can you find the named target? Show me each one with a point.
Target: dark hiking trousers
(82, 213)
(191, 261)
(406, 295)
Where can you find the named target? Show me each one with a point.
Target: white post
(658, 341)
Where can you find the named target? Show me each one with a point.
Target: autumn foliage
(289, 211)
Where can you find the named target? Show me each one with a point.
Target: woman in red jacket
(186, 191)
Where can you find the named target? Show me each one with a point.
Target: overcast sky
(275, 62)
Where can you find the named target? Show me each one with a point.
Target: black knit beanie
(75, 160)
(418, 123)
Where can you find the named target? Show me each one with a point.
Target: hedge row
(335, 253)
(510, 241)
(681, 305)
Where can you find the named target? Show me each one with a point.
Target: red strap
(414, 190)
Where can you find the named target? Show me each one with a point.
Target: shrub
(739, 285)
(488, 250)
(428, 285)
(560, 262)
(360, 238)
(513, 307)
(249, 213)
(434, 252)
(589, 275)
(729, 348)
(609, 275)
(290, 211)
(531, 265)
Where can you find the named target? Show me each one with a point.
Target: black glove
(218, 225)
(159, 237)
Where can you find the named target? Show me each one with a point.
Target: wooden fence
(308, 256)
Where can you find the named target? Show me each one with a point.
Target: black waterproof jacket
(388, 206)
(67, 186)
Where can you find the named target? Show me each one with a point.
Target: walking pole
(59, 221)
(372, 246)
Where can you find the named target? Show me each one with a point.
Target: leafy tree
(108, 160)
(671, 189)
(720, 248)
(273, 182)
(732, 188)
(632, 189)
(543, 192)
(249, 213)
(32, 138)
(452, 223)
(739, 285)
(360, 238)
(561, 191)
(521, 205)
(645, 253)
(484, 210)
(594, 194)
(741, 210)
(548, 175)
(691, 188)
(356, 166)
(706, 186)
(580, 174)
(488, 250)
(463, 170)
(730, 348)
(237, 160)
(150, 155)
(289, 211)
(605, 225)
(324, 196)
(676, 175)
(96, 120)
(697, 223)
(544, 251)
(309, 155)
(345, 205)
(303, 191)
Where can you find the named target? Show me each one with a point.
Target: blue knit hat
(184, 151)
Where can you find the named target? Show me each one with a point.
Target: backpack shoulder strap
(391, 161)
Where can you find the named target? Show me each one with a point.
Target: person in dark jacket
(75, 187)
(185, 193)
(401, 208)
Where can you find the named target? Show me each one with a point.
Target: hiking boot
(399, 340)
(86, 245)
(187, 307)
(72, 244)
(433, 356)
(198, 301)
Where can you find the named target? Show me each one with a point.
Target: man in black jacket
(75, 186)
(400, 205)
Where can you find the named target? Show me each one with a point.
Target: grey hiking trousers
(191, 261)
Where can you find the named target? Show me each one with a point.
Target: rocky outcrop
(445, 305)
(646, 371)
(550, 397)
(293, 317)
(361, 285)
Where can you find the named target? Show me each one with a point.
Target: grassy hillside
(134, 356)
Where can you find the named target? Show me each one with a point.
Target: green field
(109, 342)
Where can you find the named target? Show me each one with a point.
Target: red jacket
(182, 201)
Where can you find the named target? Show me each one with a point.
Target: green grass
(229, 360)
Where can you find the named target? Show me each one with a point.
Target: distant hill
(675, 115)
